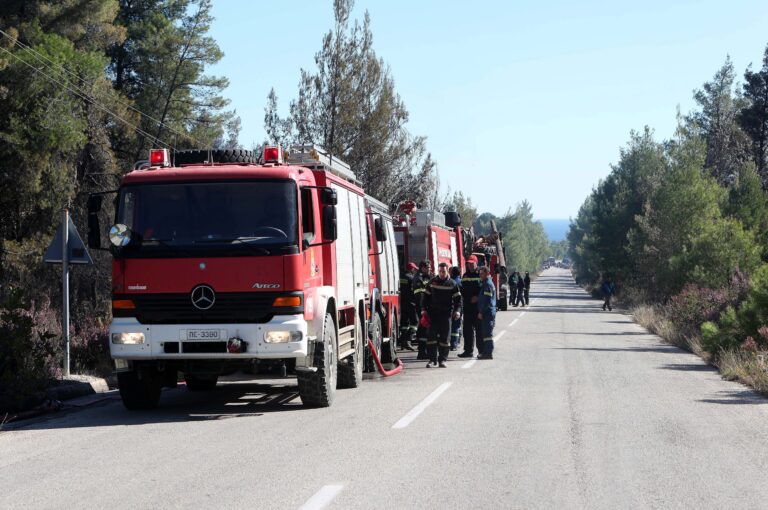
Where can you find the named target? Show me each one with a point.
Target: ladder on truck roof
(315, 157)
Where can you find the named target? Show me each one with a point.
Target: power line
(50, 64)
(87, 98)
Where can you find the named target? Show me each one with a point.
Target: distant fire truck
(428, 235)
(489, 251)
(219, 261)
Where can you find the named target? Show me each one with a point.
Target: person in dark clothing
(607, 289)
(527, 288)
(455, 273)
(513, 288)
(420, 281)
(486, 312)
(470, 288)
(520, 298)
(442, 303)
(408, 316)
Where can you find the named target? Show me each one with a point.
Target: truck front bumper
(207, 341)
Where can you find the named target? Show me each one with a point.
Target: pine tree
(753, 118)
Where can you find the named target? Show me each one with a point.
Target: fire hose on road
(386, 373)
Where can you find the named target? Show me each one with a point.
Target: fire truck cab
(218, 263)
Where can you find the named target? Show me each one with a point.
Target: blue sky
(519, 100)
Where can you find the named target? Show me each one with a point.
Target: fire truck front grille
(245, 307)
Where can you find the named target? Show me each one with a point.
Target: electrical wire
(48, 63)
(86, 98)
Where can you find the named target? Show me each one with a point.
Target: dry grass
(746, 367)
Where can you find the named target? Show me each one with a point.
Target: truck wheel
(139, 391)
(318, 388)
(199, 156)
(376, 337)
(388, 354)
(201, 382)
(351, 372)
(502, 304)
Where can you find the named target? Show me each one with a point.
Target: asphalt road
(580, 409)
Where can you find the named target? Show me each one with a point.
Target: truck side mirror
(328, 196)
(378, 227)
(330, 232)
(94, 228)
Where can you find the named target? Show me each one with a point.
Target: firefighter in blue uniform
(486, 312)
(442, 303)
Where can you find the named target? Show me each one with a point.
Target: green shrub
(29, 356)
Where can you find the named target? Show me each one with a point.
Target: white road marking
(496, 338)
(322, 498)
(416, 411)
(469, 363)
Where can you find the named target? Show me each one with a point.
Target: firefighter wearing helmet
(470, 289)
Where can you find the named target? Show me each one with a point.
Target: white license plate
(205, 334)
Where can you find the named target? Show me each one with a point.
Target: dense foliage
(684, 222)
(86, 88)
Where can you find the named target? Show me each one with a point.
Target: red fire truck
(428, 235)
(219, 261)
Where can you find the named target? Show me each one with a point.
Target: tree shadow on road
(737, 397)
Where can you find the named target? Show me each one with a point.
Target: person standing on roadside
(442, 302)
(607, 289)
(456, 324)
(486, 312)
(513, 288)
(470, 288)
(409, 318)
(420, 281)
(520, 298)
(527, 287)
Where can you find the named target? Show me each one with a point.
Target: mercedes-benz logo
(203, 297)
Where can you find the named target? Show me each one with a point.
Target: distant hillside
(556, 229)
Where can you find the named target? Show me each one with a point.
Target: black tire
(317, 389)
(374, 333)
(502, 304)
(351, 372)
(139, 391)
(199, 156)
(388, 353)
(201, 383)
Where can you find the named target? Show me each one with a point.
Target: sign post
(66, 248)
(65, 287)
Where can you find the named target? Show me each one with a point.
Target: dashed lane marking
(469, 363)
(416, 411)
(322, 498)
(496, 338)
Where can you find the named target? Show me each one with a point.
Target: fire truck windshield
(227, 218)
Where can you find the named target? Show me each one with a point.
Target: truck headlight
(281, 337)
(128, 338)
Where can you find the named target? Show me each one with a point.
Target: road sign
(77, 252)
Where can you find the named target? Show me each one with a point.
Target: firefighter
(420, 281)
(455, 273)
(486, 312)
(442, 303)
(408, 314)
(520, 298)
(470, 288)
